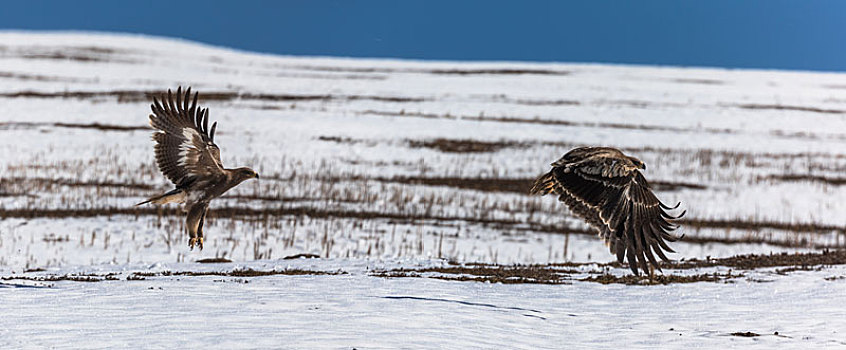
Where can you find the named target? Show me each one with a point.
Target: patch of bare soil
(138, 276)
(699, 81)
(790, 108)
(214, 261)
(35, 77)
(544, 274)
(836, 181)
(478, 184)
(762, 225)
(45, 183)
(517, 274)
(753, 261)
(66, 277)
(340, 139)
(302, 256)
(561, 273)
(69, 56)
(103, 127)
(239, 273)
(501, 71)
(660, 278)
(465, 146)
(127, 96)
(459, 72)
(502, 119)
(520, 185)
(745, 334)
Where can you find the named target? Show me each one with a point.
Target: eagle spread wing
(606, 189)
(185, 149)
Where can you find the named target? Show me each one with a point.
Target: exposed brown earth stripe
(758, 225)
(699, 81)
(76, 183)
(660, 279)
(460, 72)
(754, 261)
(238, 273)
(34, 77)
(561, 273)
(508, 274)
(465, 146)
(97, 126)
(791, 108)
(137, 276)
(510, 185)
(502, 119)
(494, 274)
(740, 155)
(500, 71)
(837, 181)
(104, 127)
(145, 96)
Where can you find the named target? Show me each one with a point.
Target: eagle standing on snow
(604, 187)
(186, 154)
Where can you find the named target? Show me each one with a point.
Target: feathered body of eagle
(187, 155)
(605, 187)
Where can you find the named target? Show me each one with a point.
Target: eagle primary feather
(187, 155)
(605, 187)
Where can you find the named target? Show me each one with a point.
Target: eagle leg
(194, 224)
(200, 230)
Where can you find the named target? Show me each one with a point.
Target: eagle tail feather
(175, 196)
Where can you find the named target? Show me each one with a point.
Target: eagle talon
(195, 241)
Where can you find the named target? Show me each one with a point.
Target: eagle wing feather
(616, 200)
(185, 148)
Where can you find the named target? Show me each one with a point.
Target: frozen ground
(387, 164)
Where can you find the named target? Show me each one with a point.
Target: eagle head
(246, 173)
(637, 163)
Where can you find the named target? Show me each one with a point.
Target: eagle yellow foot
(198, 241)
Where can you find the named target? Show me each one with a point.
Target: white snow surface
(325, 133)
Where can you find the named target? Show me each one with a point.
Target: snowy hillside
(408, 180)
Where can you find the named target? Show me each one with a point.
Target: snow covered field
(379, 167)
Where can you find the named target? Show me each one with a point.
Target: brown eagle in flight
(187, 156)
(604, 187)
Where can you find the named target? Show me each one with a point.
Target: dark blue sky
(780, 34)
